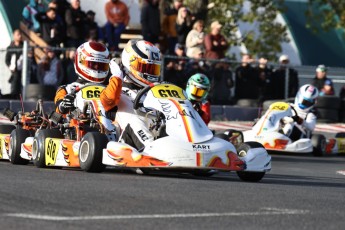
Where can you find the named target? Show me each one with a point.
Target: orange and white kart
(13, 141)
(336, 145)
(182, 142)
(268, 132)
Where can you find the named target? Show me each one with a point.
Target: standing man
(118, 17)
(14, 61)
(150, 21)
(75, 19)
(277, 83)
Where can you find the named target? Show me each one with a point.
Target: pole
(25, 68)
(286, 93)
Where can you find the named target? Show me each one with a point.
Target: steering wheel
(141, 93)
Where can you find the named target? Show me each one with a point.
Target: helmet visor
(95, 65)
(306, 103)
(197, 91)
(146, 68)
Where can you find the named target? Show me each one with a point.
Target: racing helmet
(306, 97)
(92, 62)
(198, 86)
(142, 62)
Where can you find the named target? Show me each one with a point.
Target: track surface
(301, 192)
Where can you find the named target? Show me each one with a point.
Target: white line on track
(264, 211)
(341, 172)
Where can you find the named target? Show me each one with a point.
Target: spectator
(92, 30)
(59, 17)
(247, 80)
(221, 83)
(264, 74)
(183, 24)
(61, 7)
(118, 17)
(215, 43)
(277, 85)
(29, 12)
(150, 21)
(199, 9)
(14, 60)
(195, 38)
(174, 70)
(32, 68)
(322, 82)
(49, 71)
(342, 93)
(75, 19)
(68, 67)
(52, 29)
(169, 21)
(196, 64)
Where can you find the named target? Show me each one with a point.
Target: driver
(197, 90)
(139, 67)
(305, 118)
(92, 66)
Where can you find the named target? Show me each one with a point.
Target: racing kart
(14, 146)
(182, 141)
(268, 131)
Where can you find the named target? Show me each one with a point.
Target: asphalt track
(301, 192)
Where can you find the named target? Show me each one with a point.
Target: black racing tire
(247, 103)
(18, 137)
(91, 152)
(319, 144)
(330, 115)
(204, 173)
(340, 135)
(328, 102)
(38, 145)
(6, 129)
(246, 175)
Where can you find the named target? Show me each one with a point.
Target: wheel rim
(84, 151)
(242, 153)
(34, 150)
(10, 147)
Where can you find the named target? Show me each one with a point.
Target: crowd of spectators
(188, 48)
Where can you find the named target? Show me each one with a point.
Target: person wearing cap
(322, 82)
(92, 30)
(215, 43)
(276, 87)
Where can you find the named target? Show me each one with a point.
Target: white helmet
(306, 97)
(142, 62)
(92, 61)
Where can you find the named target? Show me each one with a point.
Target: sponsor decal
(142, 135)
(197, 147)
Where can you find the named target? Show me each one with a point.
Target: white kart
(182, 141)
(268, 132)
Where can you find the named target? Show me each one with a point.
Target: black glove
(67, 103)
(297, 119)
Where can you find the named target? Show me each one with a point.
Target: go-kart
(182, 141)
(268, 131)
(14, 144)
(336, 145)
(59, 146)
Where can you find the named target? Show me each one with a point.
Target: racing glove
(115, 69)
(67, 103)
(297, 119)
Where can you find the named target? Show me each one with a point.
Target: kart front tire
(38, 145)
(18, 137)
(91, 152)
(242, 151)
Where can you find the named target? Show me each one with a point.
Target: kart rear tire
(91, 152)
(6, 129)
(319, 144)
(246, 175)
(18, 137)
(228, 137)
(340, 135)
(38, 145)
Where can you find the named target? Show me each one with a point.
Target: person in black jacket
(52, 29)
(13, 60)
(277, 87)
(150, 21)
(75, 19)
(183, 24)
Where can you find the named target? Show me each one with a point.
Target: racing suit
(203, 108)
(300, 125)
